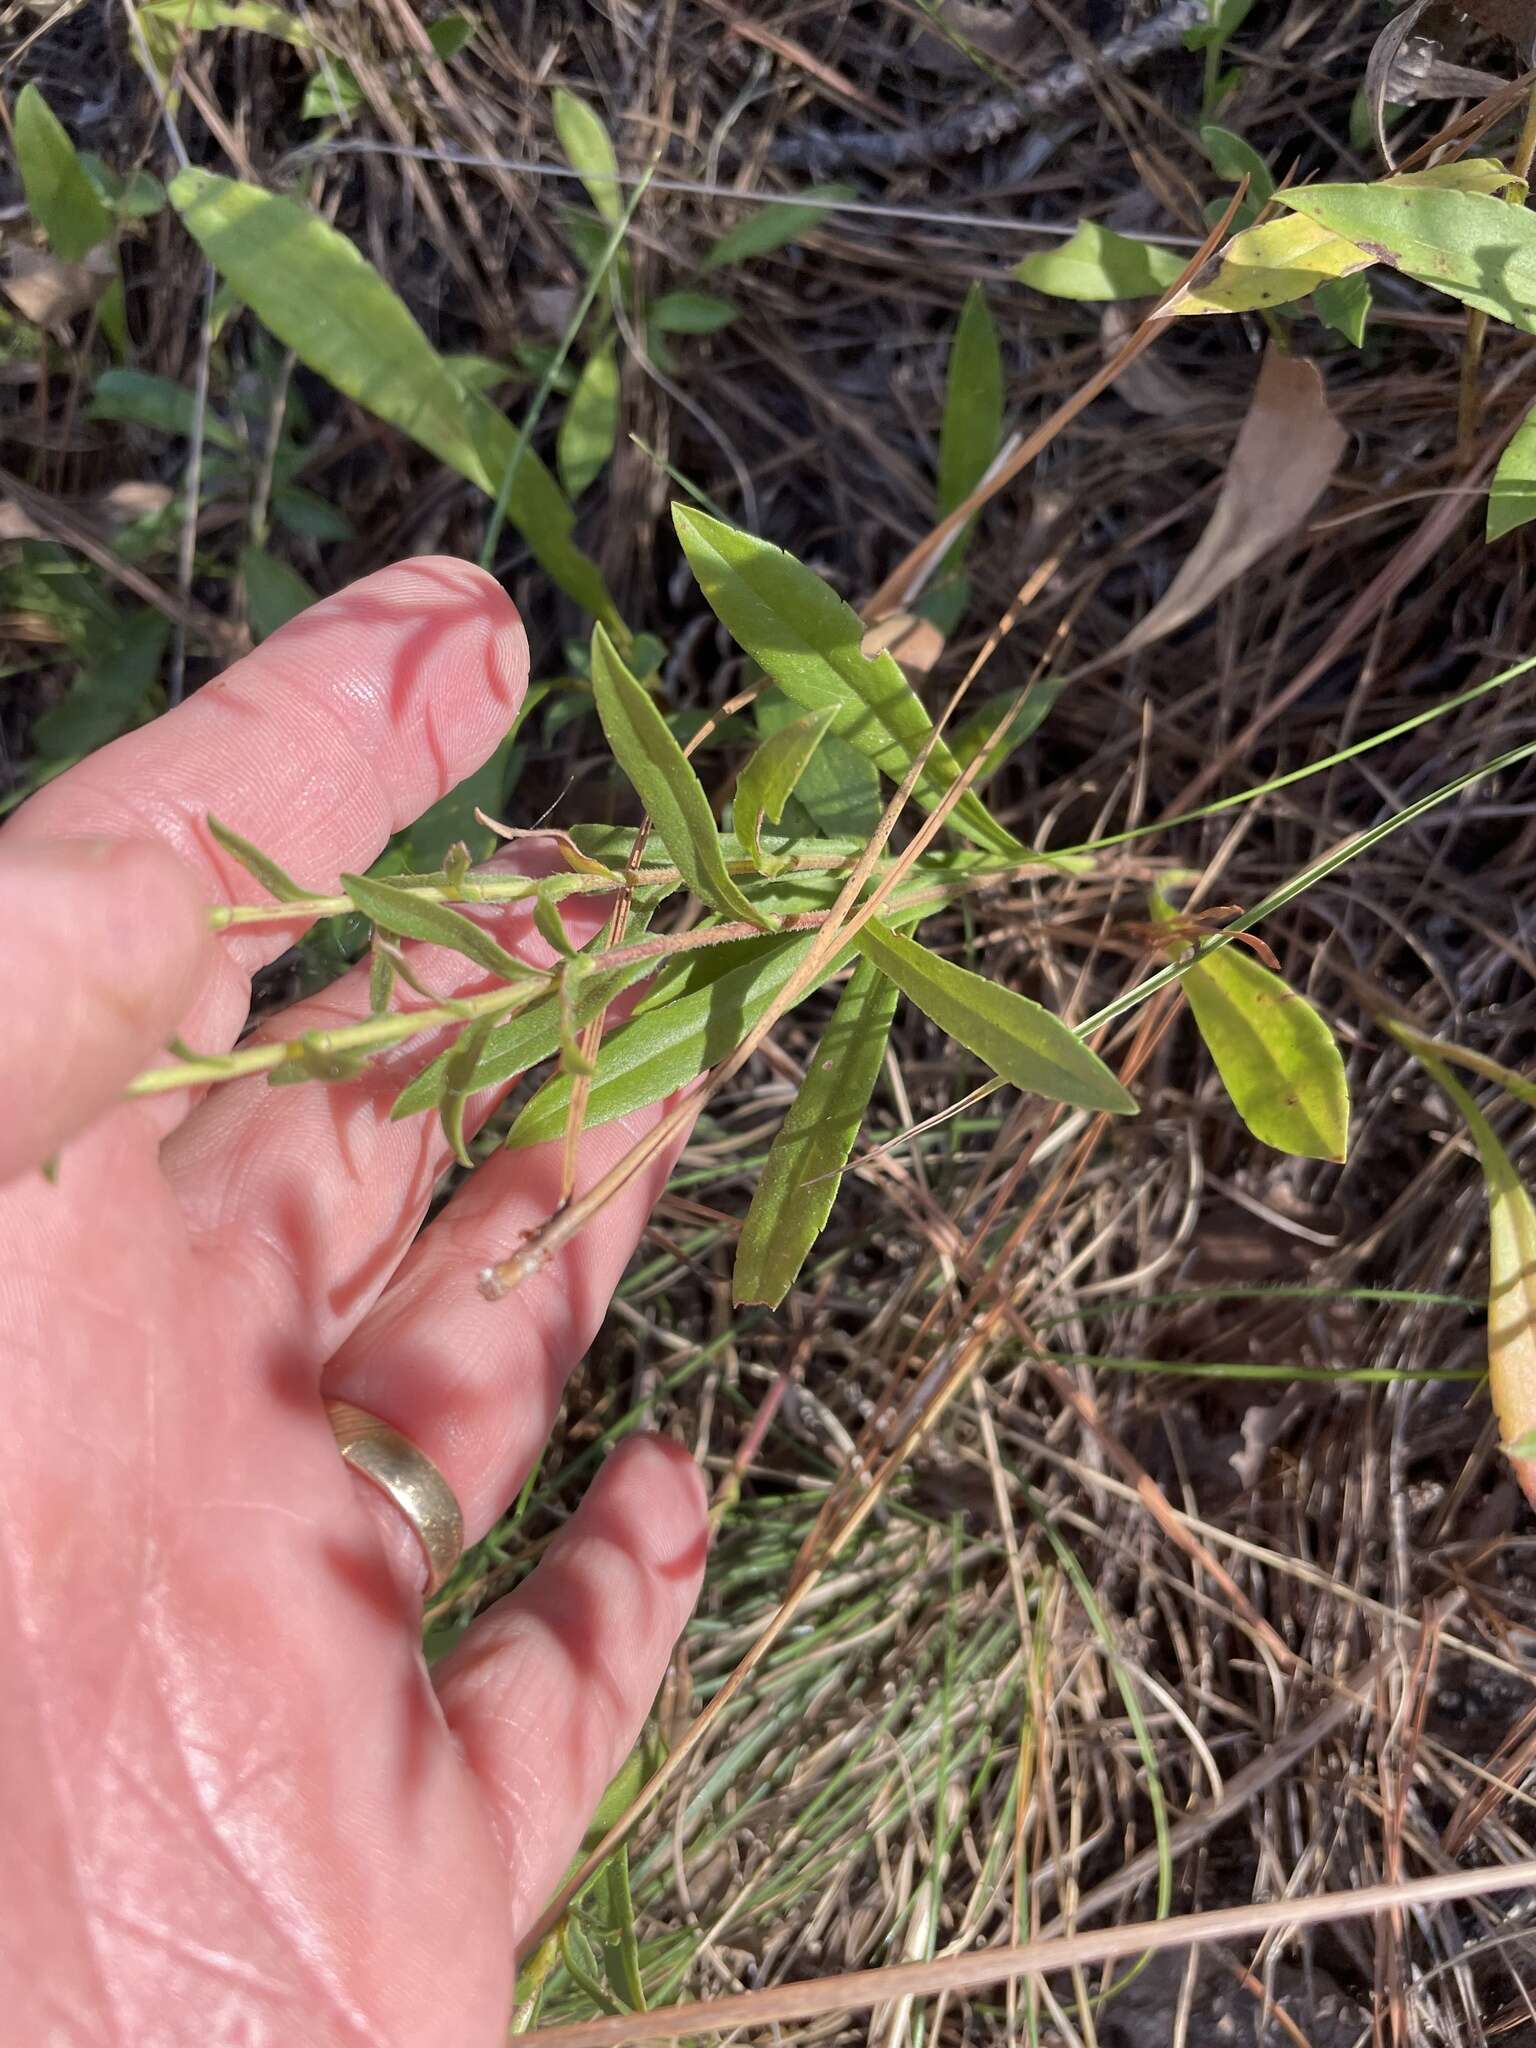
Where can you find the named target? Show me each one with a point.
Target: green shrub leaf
(275, 880)
(663, 776)
(1512, 499)
(1276, 1057)
(458, 1084)
(1099, 264)
(141, 399)
(410, 915)
(800, 631)
(60, 197)
(771, 227)
(767, 781)
(274, 592)
(799, 1182)
(323, 299)
(1344, 304)
(973, 405)
(590, 425)
(691, 313)
(839, 788)
(589, 151)
(1020, 1041)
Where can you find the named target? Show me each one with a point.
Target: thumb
(103, 944)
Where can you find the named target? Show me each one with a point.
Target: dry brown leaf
(1286, 451)
(50, 293)
(1146, 385)
(916, 642)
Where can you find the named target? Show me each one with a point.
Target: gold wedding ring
(392, 1463)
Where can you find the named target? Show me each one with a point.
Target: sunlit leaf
(664, 1049)
(1276, 1057)
(1511, 1282)
(839, 788)
(800, 631)
(60, 197)
(257, 17)
(320, 296)
(663, 776)
(799, 1182)
(1231, 157)
(275, 880)
(770, 227)
(767, 781)
(1019, 1040)
(274, 592)
(410, 915)
(589, 151)
(1096, 263)
(590, 425)
(1269, 265)
(1512, 497)
(973, 404)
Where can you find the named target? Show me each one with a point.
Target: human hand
(235, 1808)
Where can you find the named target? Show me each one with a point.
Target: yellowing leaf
(60, 197)
(589, 151)
(809, 641)
(591, 423)
(799, 1183)
(1282, 460)
(1020, 1041)
(1511, 1280)
(323, 299)
(1096, 263)
(1276, 1057)
(661, 772)
(767, 781)
(1269, 265)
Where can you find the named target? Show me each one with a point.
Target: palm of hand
(243, 1811)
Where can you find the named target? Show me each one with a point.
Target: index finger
(335, 733)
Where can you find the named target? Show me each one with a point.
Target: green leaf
(451, 820)
(60, 197)
(767, 781)
(1020, 1041)
(258, 17)
(591, 423)
(410, 915)
(108, 694)
(973, 405)
(275, 880)
(654, 1054)
(458, 1084)
(771, 227)
(332, 93)
(1099, 264)
(1231, 157)
(800, 631)
(1037, 699)
(308, 515)
(839, 788)
(1512, 496)
(1511, 1279)
(1344, 304)
(140, 399)
(1276, 1057)
(321, 297)
(663, 776)
(274, 593)
(799, 1182)
(1462, 240)
(1270, 265)
(589, 151)
(691, 313)
(450, 34)
(1226, 19)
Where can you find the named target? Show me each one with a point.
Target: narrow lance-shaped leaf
(767, 781)
(458, 1084)
(1276, 1057)
(691, 313)
(1020, 1041)
(60, 197)
(774, 226)
(1511, 1281)
(673, 796)
(145, 400)
(320, 296)
(275, 592)
(662, 1050)
(800, 631)
(411, 915)
(1512, 498)
(1096, 263)
(275, 880)
(1344, 304)
(799, 1182)
(589, 151)
(590, 425)
(973, 403)
(839, 788)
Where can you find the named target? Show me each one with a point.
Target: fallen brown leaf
(1286, 450)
